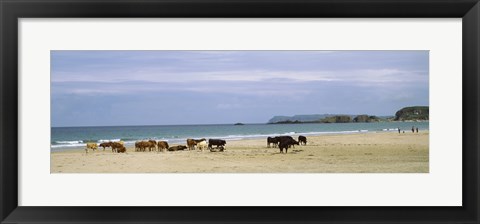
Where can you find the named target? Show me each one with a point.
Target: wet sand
(345, 153)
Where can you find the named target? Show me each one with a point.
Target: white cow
(202, 145)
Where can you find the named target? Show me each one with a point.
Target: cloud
(228, 106)
(159, 76)
(256, 82)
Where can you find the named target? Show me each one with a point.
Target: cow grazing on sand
(285, 138)
(122, 149)
(286, 143)
(105, 145)
(162, 145)
(273, 141)
(142, 146)
(115, 146)
(302, 140)
(91, 145)
(202, 145)
(177, 148)
(216, 142)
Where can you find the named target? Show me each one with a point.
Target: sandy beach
(388, 152)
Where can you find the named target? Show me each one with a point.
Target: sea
(65, 138)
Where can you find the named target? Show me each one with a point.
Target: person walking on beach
(416, 129)
(413, 129)
(398, 130)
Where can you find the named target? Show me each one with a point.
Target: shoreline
(229, 139)
(363, 152)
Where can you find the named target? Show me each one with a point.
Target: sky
(110, 88)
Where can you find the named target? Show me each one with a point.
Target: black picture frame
(12, 10)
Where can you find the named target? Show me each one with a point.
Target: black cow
(284, 138)
(217, 142)
(286, 143)
(273, 141)
(302, 140)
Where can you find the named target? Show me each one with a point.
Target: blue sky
(100, 88)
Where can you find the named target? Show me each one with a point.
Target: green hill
(412, 113)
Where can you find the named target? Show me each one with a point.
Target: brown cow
(143, 145)
(162, 145)
(105, 145)
(137, 146)
(115, 146)
(153, 144)
(122, 149)
(191, 143)
(140, 145)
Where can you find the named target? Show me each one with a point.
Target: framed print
(251, 112)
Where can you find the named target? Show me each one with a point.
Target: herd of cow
(283, 142)
(161, 146)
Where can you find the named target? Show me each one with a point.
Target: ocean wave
(67, 146)
(69, 142)
(109, 140)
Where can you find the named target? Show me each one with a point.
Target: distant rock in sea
(239, 124)
(364, 118)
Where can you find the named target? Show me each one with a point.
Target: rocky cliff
(412, 113)
(337, 119)
(364, 118)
